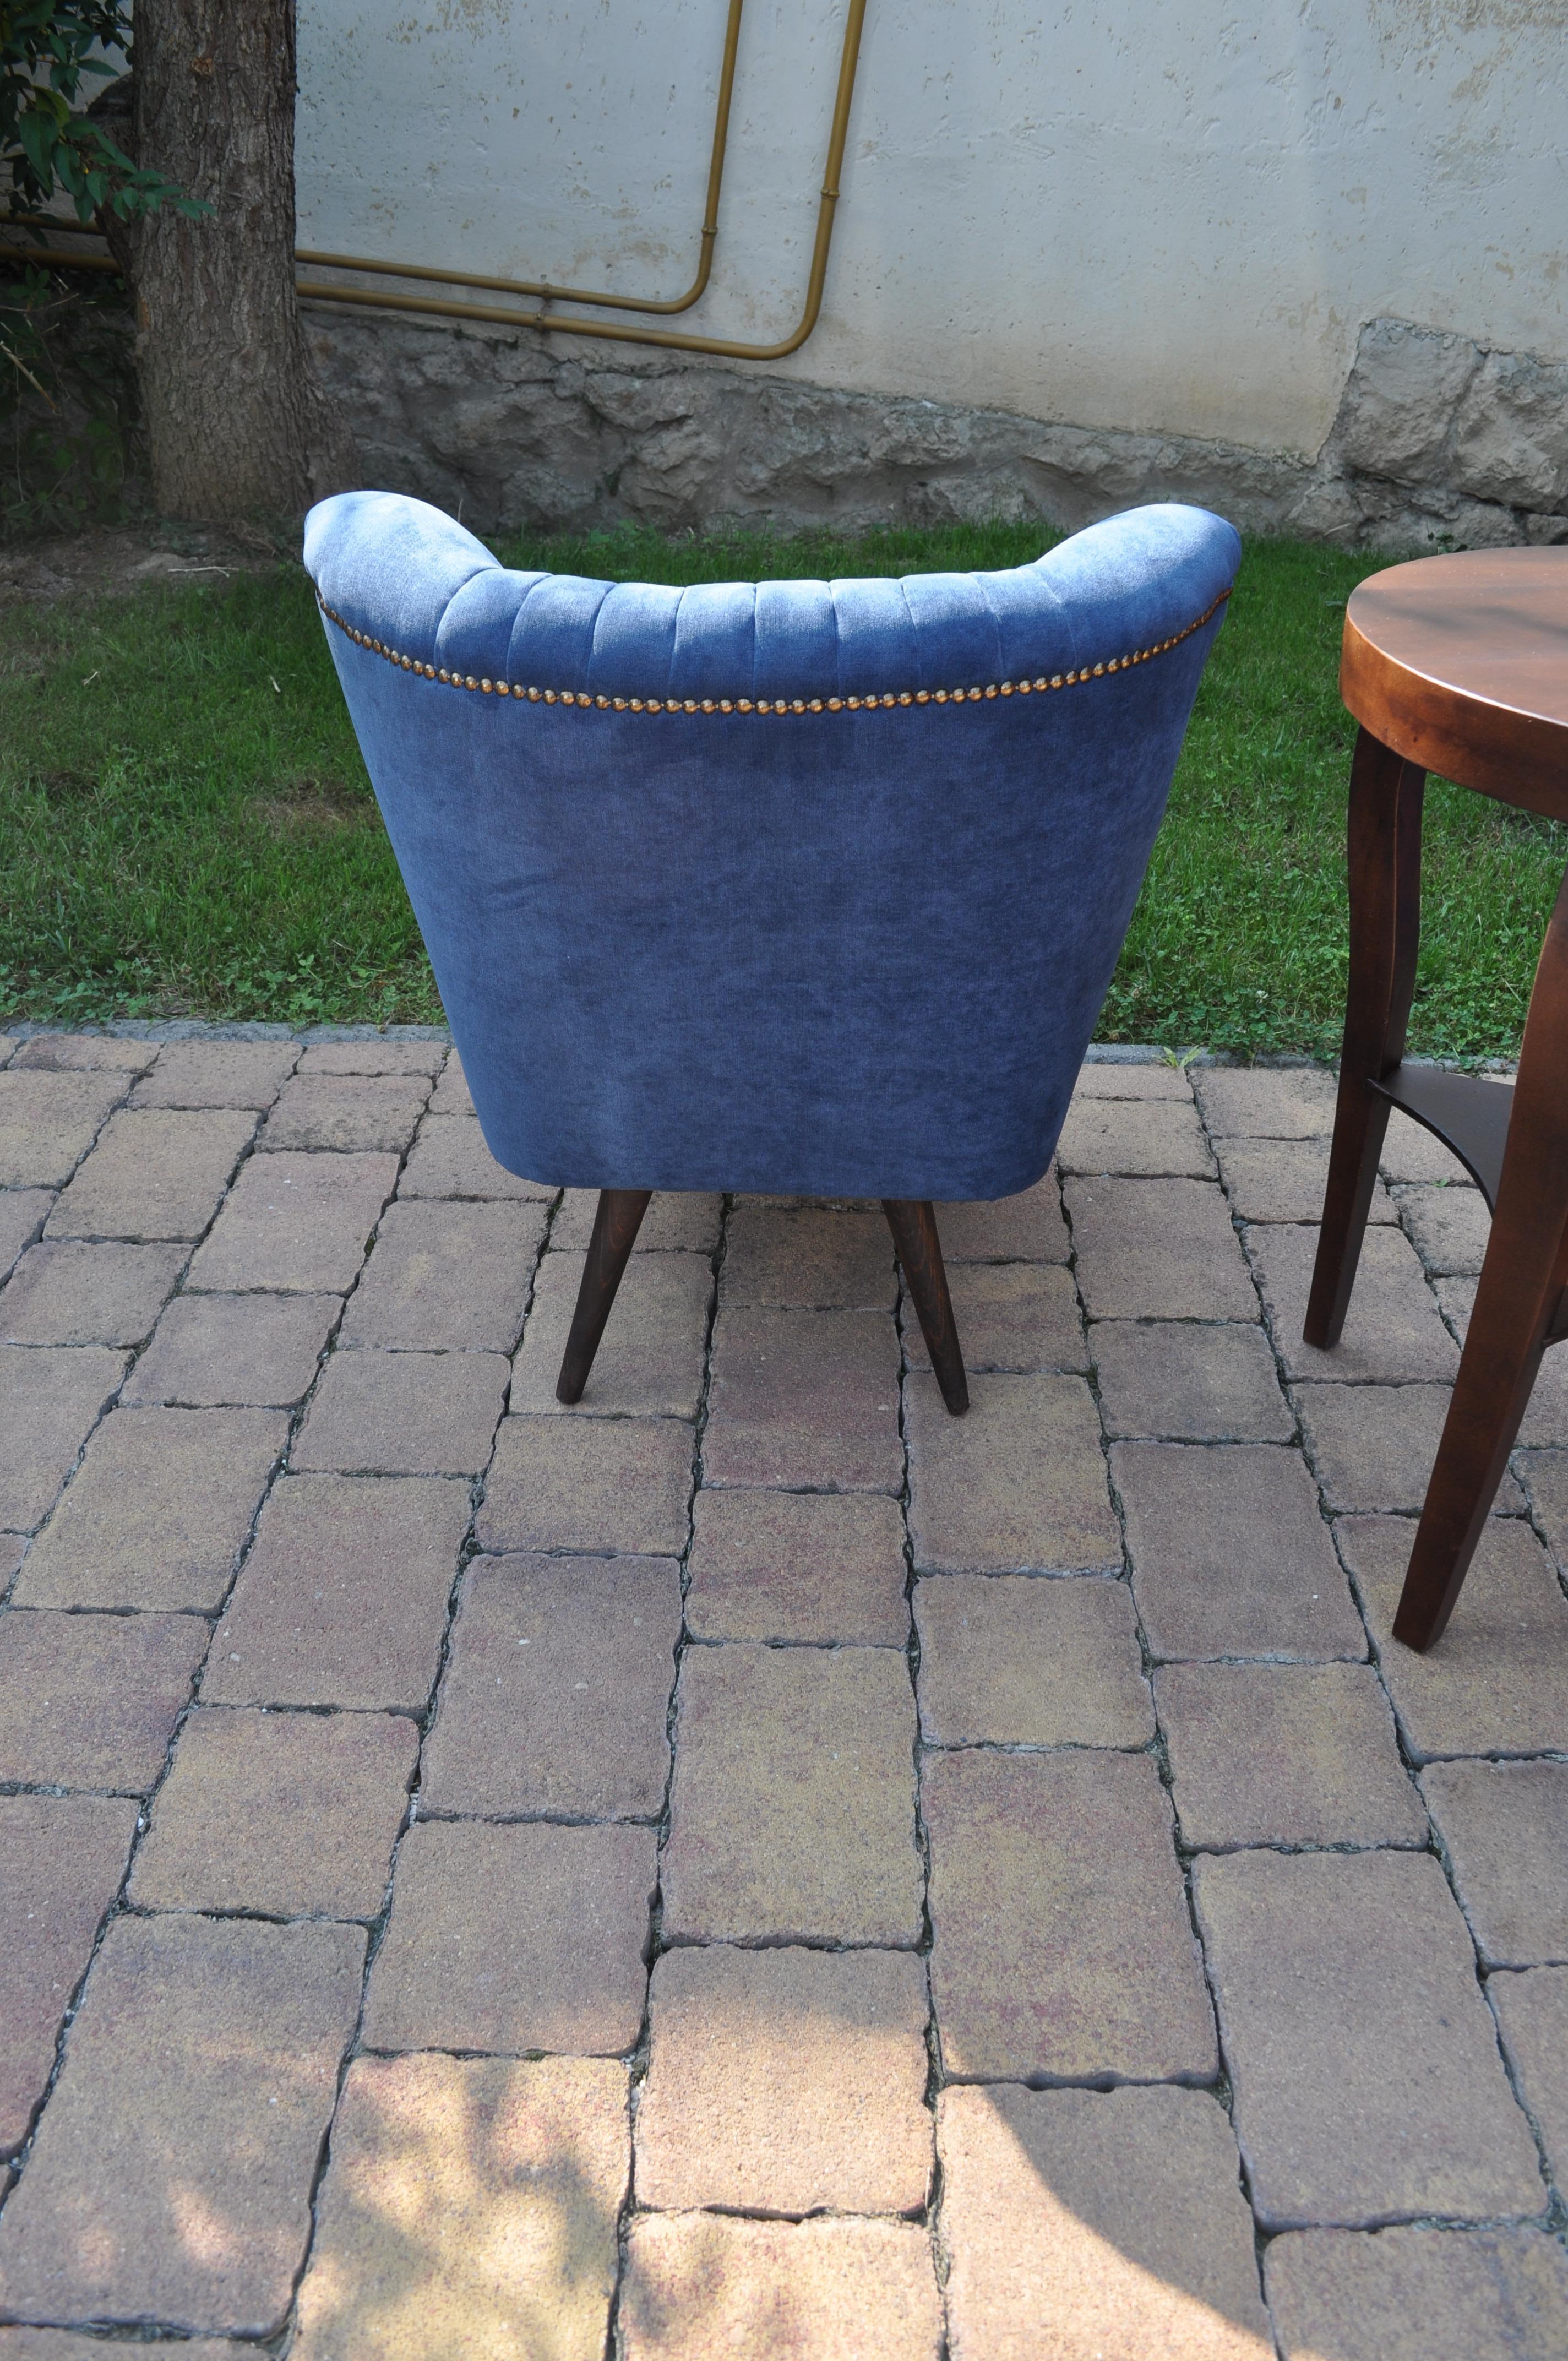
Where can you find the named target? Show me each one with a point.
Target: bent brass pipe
(542, 287)
(668, 339)
(606, 331)
(547, 287)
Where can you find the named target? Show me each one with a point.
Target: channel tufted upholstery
(853, 948)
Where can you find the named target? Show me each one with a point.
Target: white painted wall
(1154, 214)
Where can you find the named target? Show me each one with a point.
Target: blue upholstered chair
(809, 888)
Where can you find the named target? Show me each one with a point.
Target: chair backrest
(812, 888)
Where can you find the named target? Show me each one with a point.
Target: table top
(1461, 664)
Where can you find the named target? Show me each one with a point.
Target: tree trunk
(237, 423)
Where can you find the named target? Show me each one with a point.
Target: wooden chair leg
(919, 1249)
(1517, 1304)
(616, 1223)
(1386, 795)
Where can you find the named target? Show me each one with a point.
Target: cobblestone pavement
(754, 1867)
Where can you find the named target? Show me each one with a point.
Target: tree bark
(236, 420)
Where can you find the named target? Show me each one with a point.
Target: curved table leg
(1386, 795)
(616, 1223)
(913, 1227)
(1517, 1304)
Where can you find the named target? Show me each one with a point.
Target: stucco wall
(1150, 220)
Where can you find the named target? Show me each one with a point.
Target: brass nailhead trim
(883, 702)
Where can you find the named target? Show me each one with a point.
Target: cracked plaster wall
(1304, 261)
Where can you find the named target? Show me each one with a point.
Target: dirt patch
(111, 562)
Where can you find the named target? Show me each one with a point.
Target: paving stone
(1393, 1331)
(1493, 1685)
(62, 1293)
(1419, 2295)
(291, 1813)
(515, 1938)
(1284, 1181)
(216, 1074)
(797, 1566)
(1373, 1446)
(61, 1860)
(1544, 1476)
(1134, 1136)
(1010, 1315)
(404, 1413)
(91, 1701)
(1179, 1381)
(1531, 2011)
(1411, 1152)
(377, 1056)
(1096, 2226)
(650, 1361)
(1504, 1828)
(170, 2178)
(22, 1215)
(707, 2286)
(158, 1512)
(65, 2344)
(1449, 1227)
(86, 1053)
(792, 1810)
(1010, 1660)
(1267, 1102)
(49, 1402)
(1063, 1948)
(1158, 1249)
(678, 1222)
(805, 1397)
(1028, 1227)
(469, 2208)
(209, 1351)
(1285, 1754)
(1230, 1556)
(787, 2082)
(556, 1695)
(589, 1484)
(299, 1224)
(13, 1550)
(343, 1599)
(1017, 1483)
(48, 1122)
(1368, 2088)
(447, 1275)
(356, 1111)
(1122, 1079)
(809, 1261)
(1544, 1426)
(155, 1174)
(452, 1094)
(449, 1159)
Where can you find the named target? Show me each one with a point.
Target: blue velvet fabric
(830, 953)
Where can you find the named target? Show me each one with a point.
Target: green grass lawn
(188, 829)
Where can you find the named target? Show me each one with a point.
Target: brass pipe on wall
(547, 287)
(553, 324)
(667, 339)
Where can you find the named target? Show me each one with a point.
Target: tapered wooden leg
(913, 1227)
(615, 1224)
(1386, 795)
(1516, 1306)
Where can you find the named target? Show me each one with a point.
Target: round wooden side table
(1458, 665)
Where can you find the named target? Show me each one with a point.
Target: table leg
(1385, 846)
(1516, 1306)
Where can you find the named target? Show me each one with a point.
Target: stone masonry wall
(1437, 442)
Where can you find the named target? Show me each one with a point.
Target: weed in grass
(179, 836)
